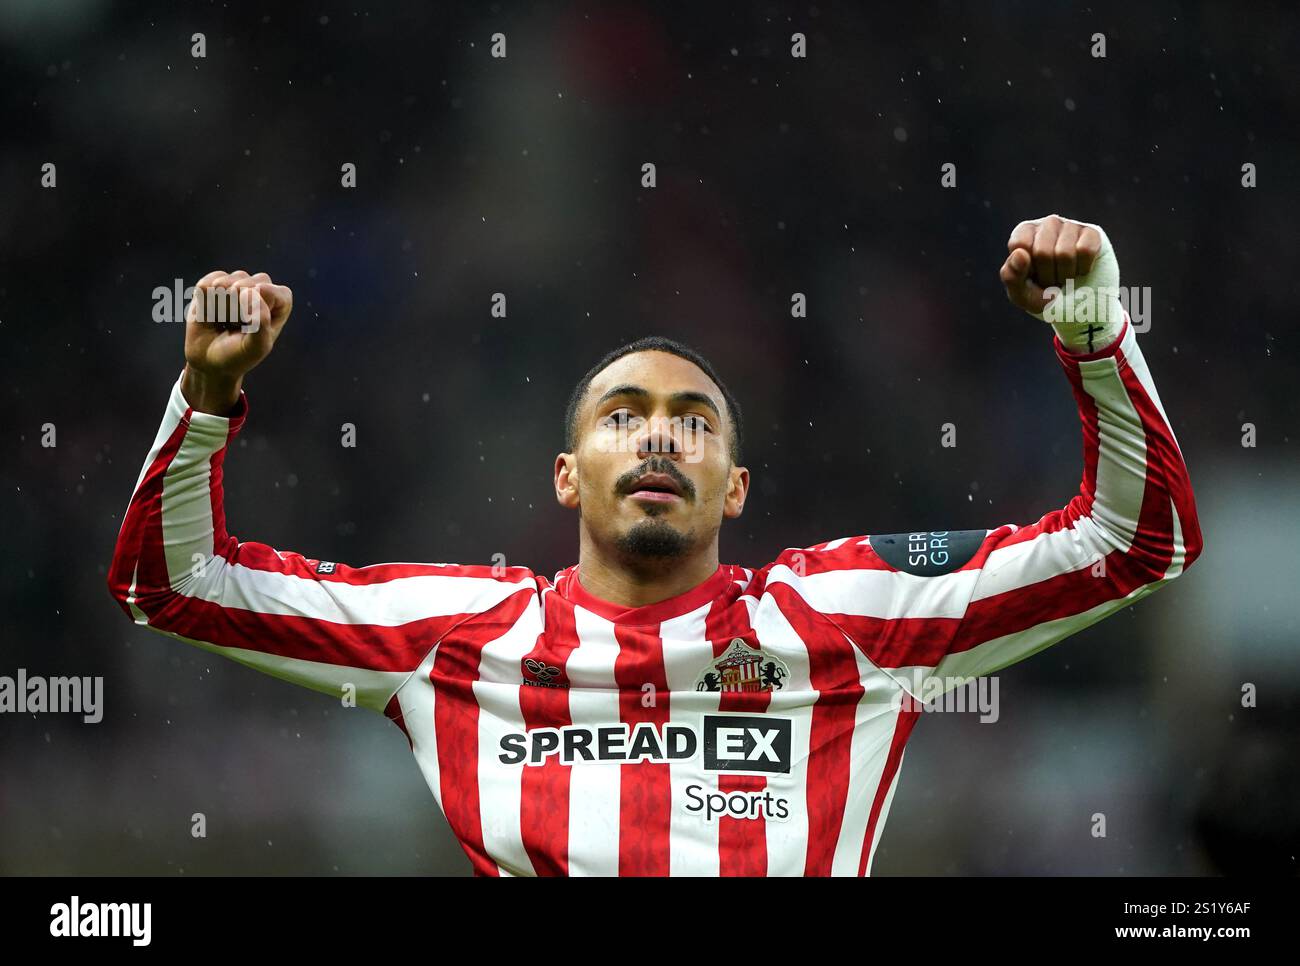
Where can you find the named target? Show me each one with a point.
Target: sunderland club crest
(743, 668)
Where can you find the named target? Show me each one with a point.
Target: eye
(696, 424)
(620, 419)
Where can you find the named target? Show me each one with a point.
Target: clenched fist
(230, 326)
(1065, 272)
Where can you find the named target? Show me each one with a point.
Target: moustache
(628, 480)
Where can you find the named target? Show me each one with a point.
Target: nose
(660, 436)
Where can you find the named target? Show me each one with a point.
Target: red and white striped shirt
(751, 726)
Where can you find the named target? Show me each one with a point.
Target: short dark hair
(653, 343)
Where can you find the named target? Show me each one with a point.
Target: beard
(654, 539)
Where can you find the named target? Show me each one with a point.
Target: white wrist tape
(1086, 312)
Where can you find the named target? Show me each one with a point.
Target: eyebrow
(684, 396)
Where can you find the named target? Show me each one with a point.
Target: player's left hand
(1047, 252)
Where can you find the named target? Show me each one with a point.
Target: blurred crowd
(523, 175)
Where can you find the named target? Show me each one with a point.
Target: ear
(566, 480)
(737, 489)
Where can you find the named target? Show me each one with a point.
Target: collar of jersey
(655, 613)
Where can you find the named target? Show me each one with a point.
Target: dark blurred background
(522, 175)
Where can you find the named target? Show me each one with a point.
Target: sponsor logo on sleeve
(928, 554)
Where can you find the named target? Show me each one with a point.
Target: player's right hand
(232, 323)
(1047, 252)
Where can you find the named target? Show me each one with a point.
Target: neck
(609, 575)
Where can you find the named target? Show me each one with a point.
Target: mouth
(653, 496)
(655, 488)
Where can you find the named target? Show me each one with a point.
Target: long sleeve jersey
(754, 725)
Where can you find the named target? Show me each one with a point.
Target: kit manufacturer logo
(540, 674)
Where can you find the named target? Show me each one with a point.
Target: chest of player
(587, 744)
(562, 667)
(630, 755)
(738, 656)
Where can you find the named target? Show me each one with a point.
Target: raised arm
(971, 602)
(1133, 526)
(175, 569)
